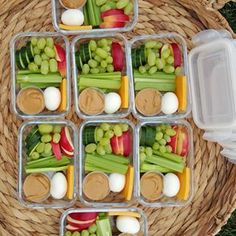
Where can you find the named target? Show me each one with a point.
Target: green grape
(50, 42)
(162, 149)
(162, 142)
(159, 136)
(103, 42)
(101, 53)
(56, 137)
(68, 233)
(34, 41)
(163, 127)
(45, 128)
(50, 52)
(97, 58)
(109, 60)
(170, 60)
(47, 148)
(141, 149)
(178, 70)
(151, 58)
(93, 45)
(169, 149)
(152, 70)
(165, 53)
(167, 138)
(93, 54)
(76, 233)
(171, 132)
(159, 64)
(57, 128)
(40, 148)
(37, 60)
(100, 150)
(148, 151)
(93, 235)
(108, 149)
(92, 63)
(104, 141)
(46, 138)
(103, 64)
(34, 155)
(117, 130)
(85, 69)
(157, 54)
(122, 4)
(90, 148)
(147, 67)
(169, 69)
(106, 48)
(41, 43)
(142, 69)
(105, 126)
(99, 134)
(109, 134)
(158, 128)
(44, 67)
(158, 45)
(142, 157)
(92, 229)
(44, 56)
(94, 71)
(36, 51)
(124, 127)
(167, 126)
(85, 233)
(156, 146)
(150, 44)
(109, 41)
(129, 8)
(33, 67)
(110, 68)
(103, 70)
(53, 65)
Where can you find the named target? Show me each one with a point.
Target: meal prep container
(165, 201)
(143, 219)
(57, 10)
(213, 86)
(118, 37)
(50, 203)
(17, 41)
(164, 38)
(108, 201)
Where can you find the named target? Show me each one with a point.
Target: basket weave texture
(215, 178)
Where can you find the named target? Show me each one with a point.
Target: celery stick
(145, 167)
(104, 227)
(113, 158)
(85, 12)
(39, 78)
(91, 14)
(47, 169)
(39, 85)
(97, 13)
(26, 72)
(164, 81)
(106, 78)
(99, 83)
(157, 75)
(166, 163)
(170, 156)
(110, 75)
(164, 87)
(90, 167)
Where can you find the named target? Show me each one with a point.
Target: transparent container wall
(143, 220)
(121, 113)
(58, 9)
(50, 202)
(164, 201)
(163, 38)
(212, 83)
(113, 199)
(19, 41)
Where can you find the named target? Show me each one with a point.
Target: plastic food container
(164, 201)
(143, 220)
(164, 38)
(58, 9)
(19, 41)
(50, 202)
(112, 199)
(74, 47)
(213, 87)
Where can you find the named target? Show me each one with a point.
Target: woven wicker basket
(215, 178)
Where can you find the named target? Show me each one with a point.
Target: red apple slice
(65, 141)
(177, 54)
(67, 153)
(117, 24)
(72, 228)
(60, 53)
(83, 216)
(62, 68)
(183, 142)
(115, 145)
(118, 56)
(121, 146)
(127, 143)
(112, 12)
(80, 224)
(56, 150)
(116, 18)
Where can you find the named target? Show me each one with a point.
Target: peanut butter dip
(36, 187)
(30, 101)
(72, 4)
(91, 101)
(151, 185)
(148, 101)
(96, 186)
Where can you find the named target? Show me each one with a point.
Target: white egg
(52, 98)
(116, 182)
(169, 103)
(58, 186)
(72, 17)
(171, 185)
(112, 102)
(127, 224)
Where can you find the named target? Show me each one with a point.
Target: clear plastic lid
(213, 77)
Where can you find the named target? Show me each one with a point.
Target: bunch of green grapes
(102, 60)
(103, 134)
(91, 231)
(44, 56)
(159, 59)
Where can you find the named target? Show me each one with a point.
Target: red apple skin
(65, 141)
(112, 12)
(60, 53)
(83, 216)
(116, 18)
(56, 150)
(62, 68)
(67, 153)
(118, 56)
(177, 54)
(80, 224)
(113, 24)
(72, 228)
(115, 145)
(121, 146)
(127, 143)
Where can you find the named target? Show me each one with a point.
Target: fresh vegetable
(169, 103)
(52, 98)
(112, 103)
(124, 92)
(38, 78)
(58, 186)
(104, 227)
(72, 17)
(63, 90)
(70, 182)
(116, 182)
(118, 56)
(75, 27)
(129, 185)
(124, 213)
(181, 92)
(127, 224)
(88, 135)
(185, 180)
(171, 185)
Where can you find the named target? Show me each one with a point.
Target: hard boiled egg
(72, 17)
(170, 103)
(171, 185)
(58, 186)
(127, 224)
(112, 102)
(116, 182)
(52, 98)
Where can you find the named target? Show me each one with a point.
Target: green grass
(230, 228)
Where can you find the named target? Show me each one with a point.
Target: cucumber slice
(138, 61)
(89, 135)
(21, 61)
(142, 55)
(78, 61)
(18, 61)
(150, 136)
(29, 51)
(142, 136)
(31, 134)
(85, 52)
(32, 147)
(23, 56)
(133, 56)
